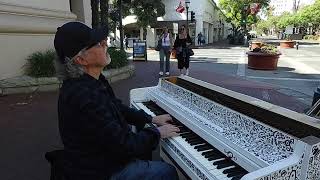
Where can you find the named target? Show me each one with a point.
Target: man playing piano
(93, 123)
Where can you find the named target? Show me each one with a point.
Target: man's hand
(168, 130)
(162, 119)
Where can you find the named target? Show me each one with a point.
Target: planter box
(287, 44)
(262, 61)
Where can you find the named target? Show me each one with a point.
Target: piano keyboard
(215, 162)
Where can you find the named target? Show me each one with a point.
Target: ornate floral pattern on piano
(289, 173)
(262, 141)
(313, 171)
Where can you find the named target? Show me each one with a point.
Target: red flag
(180, 8)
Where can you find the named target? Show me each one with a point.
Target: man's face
(97, 55)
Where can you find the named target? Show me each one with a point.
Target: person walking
(165, 51)
(182, 48)
(199, 38)
(126, 41)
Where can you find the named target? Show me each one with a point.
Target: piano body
(228, 135)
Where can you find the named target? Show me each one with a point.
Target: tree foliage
(237, 11)
(304, 17)
(308, 14)
(147, 11)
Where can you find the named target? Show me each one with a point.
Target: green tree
(238, 12)
(285, 20)
(146, 11)
(309, 14)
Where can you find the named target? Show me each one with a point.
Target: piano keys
(215, 162)
(227, 135)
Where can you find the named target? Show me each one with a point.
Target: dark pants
(183, 59)
(147, 170)
(165, 53)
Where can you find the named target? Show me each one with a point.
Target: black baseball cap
(74, 36)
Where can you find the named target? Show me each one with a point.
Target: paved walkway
(28, 123)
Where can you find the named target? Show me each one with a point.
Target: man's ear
(81, 61)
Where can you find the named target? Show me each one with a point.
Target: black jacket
(94, 129)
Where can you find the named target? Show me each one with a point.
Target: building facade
(281, 6)
(27, 26)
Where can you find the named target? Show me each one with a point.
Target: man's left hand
(162, 119)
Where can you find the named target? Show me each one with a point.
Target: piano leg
(166, 157)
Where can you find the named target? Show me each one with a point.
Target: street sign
(175, 28)
(139, 50)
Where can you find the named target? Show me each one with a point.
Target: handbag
(173, 54)
(159, 45)
(190, 52)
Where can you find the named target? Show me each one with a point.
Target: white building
(281, 6)
(27, 26)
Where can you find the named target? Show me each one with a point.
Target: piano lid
(293, 123)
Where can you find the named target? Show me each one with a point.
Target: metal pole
(187, 18)
(120, 24)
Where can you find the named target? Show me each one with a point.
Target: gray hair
(69, 69)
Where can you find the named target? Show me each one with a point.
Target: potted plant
(264, 58)
(287, 43)
(255, 44)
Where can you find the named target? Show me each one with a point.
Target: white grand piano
(228, 135)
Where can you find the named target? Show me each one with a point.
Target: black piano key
(184, 130)
(236, 169)
(224, 163)
(215, 157)
(203, 147)
(236, 173)
(195, 141)
(238, 177)
(188, 135)
(196, 137)
(213, 151)
(220, 162)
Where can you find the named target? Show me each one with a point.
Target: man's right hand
(168, 130)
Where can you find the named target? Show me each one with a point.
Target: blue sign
(140, 50)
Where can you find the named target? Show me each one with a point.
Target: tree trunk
(120, 23)
(104, 13)
(95, 13)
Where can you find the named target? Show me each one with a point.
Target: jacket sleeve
(104, 124)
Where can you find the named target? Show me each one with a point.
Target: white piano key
(145, 109)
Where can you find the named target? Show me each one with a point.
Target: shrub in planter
(256, 44)
(264, 58)
(119, 58)
(287, 43)
(41, 64)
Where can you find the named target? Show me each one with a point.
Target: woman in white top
(165, 51)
